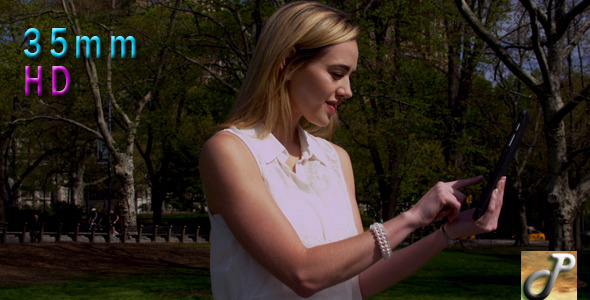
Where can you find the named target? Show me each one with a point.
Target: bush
(65, 213)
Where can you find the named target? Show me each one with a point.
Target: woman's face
(317, 89)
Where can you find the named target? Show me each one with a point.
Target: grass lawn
(463, 274)
(483, 273)
(173, 283)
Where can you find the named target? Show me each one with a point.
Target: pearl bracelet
(381, 236)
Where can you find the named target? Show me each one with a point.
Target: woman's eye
(337, 75)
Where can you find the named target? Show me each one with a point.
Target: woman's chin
(322, 124)
(320, 121)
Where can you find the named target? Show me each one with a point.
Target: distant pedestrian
(113, 219)
(36, 229)
(93, 218)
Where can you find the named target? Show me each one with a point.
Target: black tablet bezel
(501, 167)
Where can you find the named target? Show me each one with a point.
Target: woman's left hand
(444, 199)
(464, 225)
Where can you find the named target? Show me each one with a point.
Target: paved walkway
(14, 239)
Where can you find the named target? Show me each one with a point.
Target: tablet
(502, 166)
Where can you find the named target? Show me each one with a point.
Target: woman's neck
(290, 140)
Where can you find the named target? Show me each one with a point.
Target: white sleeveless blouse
(315, 200)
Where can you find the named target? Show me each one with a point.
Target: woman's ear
(284, 62)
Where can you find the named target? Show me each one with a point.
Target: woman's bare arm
(408, 260)
(236, 190)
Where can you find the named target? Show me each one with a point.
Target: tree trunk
(454, 130)
(564, 210)
(562, 201)
(3, 181)
(13, 194)
(157, 201)
(578, 229)
(124, 170)
(550, 51)
(3, 193)
(393, 179)
(77, 178)
(522, 237)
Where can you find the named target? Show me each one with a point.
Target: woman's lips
(333, 105)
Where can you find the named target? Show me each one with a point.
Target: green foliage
(391, 125)
(394, 127)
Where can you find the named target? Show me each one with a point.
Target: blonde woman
(285, 222)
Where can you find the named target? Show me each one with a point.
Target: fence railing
(129, 234)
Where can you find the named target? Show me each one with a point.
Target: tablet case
(502, 166)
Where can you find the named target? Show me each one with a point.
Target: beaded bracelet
(381, 236)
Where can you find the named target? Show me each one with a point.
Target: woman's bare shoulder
(223, 145)
(222, 139)
(226, 156)
(226, 165)
(342, 154)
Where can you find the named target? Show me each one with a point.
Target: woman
(285, 222)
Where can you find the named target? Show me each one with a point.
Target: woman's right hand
(444, 199)
(464, 225)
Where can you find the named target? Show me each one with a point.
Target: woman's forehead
(343, 55)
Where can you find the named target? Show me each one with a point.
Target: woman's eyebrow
(342, 66)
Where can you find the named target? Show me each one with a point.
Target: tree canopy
(437, 89)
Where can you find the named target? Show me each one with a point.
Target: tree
(22, 148)
(386, 124)
(127, 100)
(464, 55)
(127, 116)
(550, 23)
(210, 49)
(527, 160)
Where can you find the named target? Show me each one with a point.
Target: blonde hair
(307, 27)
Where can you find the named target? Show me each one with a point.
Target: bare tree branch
(539, 14)
(25, 17)
(229, 41)
(535, 36)
(575, 153)
(109, 86)
(574, 12)
(583, 189)
(30, 169)
(96, 182)
(58, 118)
(244, 37)
(571, 105)
(211, 72)
(529, 152)
(494, 43)
(575, 40)
(92, 74)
